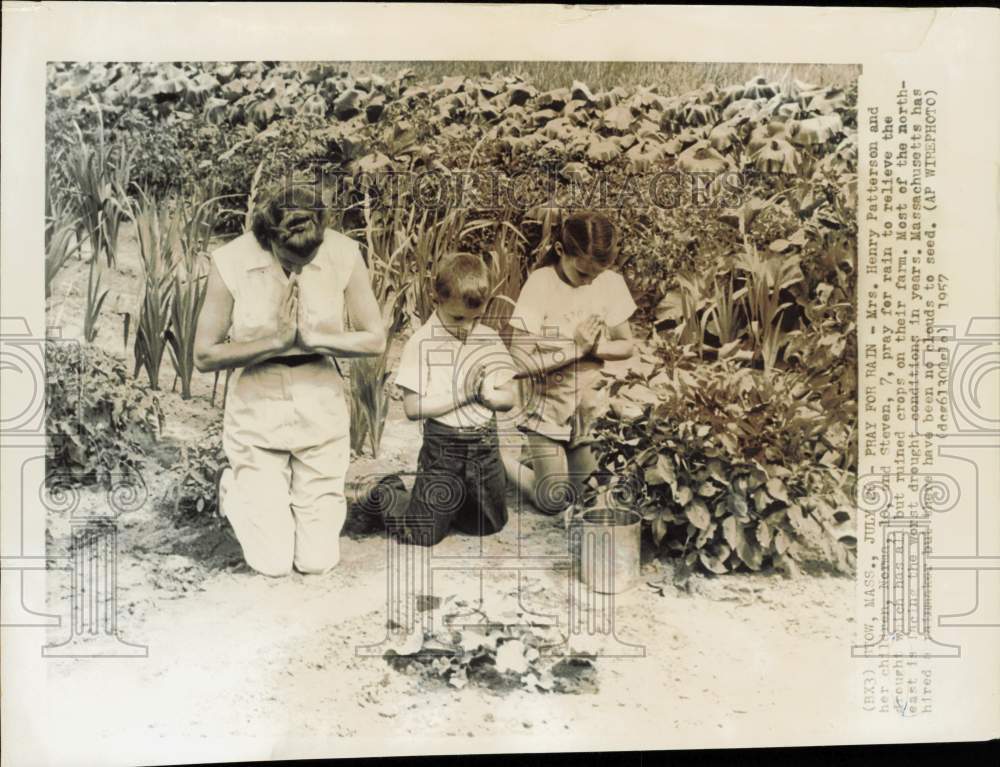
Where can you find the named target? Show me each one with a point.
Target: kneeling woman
(279, 293)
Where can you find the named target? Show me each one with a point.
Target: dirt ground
(242, 666)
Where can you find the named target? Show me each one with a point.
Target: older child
(456, 373)
(571, 316)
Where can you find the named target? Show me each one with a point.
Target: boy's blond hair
(462, 276)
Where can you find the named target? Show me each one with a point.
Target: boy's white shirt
(435, 362)
(548, 306)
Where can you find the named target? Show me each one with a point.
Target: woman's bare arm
(211, 352)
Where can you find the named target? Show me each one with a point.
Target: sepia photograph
(401, 405)
(455, 383)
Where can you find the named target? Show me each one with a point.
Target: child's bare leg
(548, 484)
(582, 464)
(519, 475)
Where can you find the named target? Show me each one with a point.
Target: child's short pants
(564, 405)
(460, 484)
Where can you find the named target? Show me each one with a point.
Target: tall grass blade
(156, 229)
(95, 300)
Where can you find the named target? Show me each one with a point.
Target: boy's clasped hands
(477, 389)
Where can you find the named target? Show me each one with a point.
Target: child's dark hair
(586, 234)
(463, 276)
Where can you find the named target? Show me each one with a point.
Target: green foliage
(240, 160)
(227, 121)
(95, 300)
(99, 424)
(190, 283)
(730, 467)
(98, 174)
(507, 258)
(385, 240)
(188, 295)
(192, 490)
(157, 230)
(61, 225)
(160, 160)
(368, 400)
(489, 653)
(60, 244)
(764, 282)
(368, 393)
(243, 126)
(162, 89)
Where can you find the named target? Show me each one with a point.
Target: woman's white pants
(286, 434)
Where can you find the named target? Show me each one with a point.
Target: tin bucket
(606, 549)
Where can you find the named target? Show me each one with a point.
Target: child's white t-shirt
(550, 307)
(566, 400)
(435, 362)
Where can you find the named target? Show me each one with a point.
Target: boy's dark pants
(460, 484)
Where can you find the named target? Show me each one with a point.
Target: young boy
(456, 373)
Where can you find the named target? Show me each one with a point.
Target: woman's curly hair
(275, 201)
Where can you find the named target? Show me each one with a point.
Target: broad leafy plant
(192, 491)
(728, 465)
(99, 424)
